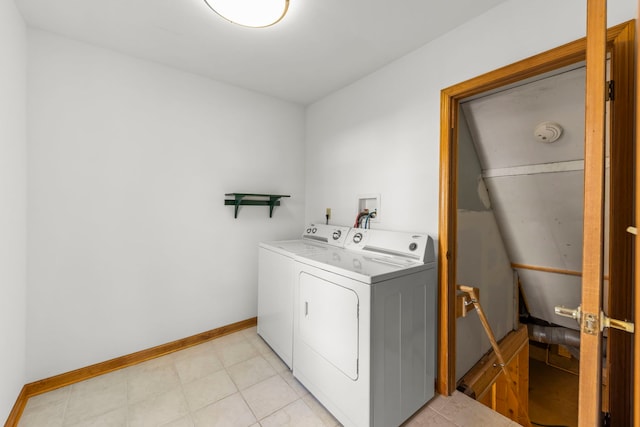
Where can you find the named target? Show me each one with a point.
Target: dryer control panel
(415, 246)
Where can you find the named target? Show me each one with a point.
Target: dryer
(276, 281)
(365, 326)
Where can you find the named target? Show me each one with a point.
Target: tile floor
(235, 380)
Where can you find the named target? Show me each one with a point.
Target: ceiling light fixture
(250, 13)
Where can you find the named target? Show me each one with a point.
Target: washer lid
(294, 247)
(315, 237)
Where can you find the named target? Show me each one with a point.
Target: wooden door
(589, 392)
(619, 360)
(619, 43)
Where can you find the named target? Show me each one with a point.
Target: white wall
(13, 181)
(130, 244)
(381, 134)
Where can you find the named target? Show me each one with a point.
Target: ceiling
(319, 47)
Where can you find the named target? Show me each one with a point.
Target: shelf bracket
(271, 200)
(236, 203)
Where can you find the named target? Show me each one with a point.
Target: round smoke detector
(548, 132)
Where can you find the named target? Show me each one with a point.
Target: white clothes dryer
(365, 326)
(276, 281)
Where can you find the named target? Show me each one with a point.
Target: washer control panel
(334, 235)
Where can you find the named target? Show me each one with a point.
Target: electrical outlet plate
(370, 202)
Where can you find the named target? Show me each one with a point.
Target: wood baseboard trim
(52, 383)
(18, 407)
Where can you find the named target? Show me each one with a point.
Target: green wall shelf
(239, 199)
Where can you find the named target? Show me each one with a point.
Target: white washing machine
(276, 281)
(365, 326)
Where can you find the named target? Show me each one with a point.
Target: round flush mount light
(548, 132)
(250, 13)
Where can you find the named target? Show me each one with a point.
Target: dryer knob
(337, 234)
(308, 230)
(357, 238)
(314, 230)
(413, 246)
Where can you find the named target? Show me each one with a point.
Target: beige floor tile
(235, 352)
(198, 387)
(428, 417)
(250, 332)
(49, 398)
(185, 421)
(159, 409)
(293, 415)
(206, 347)
(231, 411)
(196, 362)
(327, 418)
(151, 378)
(225, 340)
(209, 389)
(250, 372)
(438, 402)
(259, 344)
(275, 362)
(95, 397)
(115, 418)
(49, 415)
(463, 410)
(294, 383)
(268, 396)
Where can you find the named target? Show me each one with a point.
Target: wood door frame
(620, 40)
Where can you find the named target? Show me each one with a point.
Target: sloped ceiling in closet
(536, 188)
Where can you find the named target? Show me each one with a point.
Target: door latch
(632, 230)
(593, 323)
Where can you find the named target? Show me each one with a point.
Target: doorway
(524, 241)
(620, 49)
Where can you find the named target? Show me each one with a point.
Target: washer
(365, 326)
(276, 282)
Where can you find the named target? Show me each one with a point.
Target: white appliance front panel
(347, 399)
(396, 344)
(275, 302)
(329, 322)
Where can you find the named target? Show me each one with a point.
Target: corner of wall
(12, 206)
